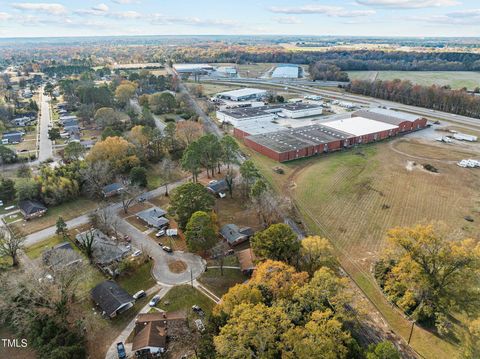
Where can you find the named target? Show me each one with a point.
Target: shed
(218, 187)
(112, 189)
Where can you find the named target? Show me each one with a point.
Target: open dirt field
(354, 197)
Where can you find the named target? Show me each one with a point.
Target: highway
(345, 96)
(45, 147)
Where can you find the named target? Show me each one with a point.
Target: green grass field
(182, 297)
(218, 284)
(455, 79)
(353, 197)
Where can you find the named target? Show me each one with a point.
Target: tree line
(357, 60)
(435, 97)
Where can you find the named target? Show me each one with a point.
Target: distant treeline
(433, 97)
(361, 60)
(326, 72)
(66, 70)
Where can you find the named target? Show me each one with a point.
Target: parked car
(139, 294)
(136, 253)
(154, 301)
(167, 249)
(160, 233)
(198, 310)
(127, 238)
(122, 354)
(200, 326)
(142, 199)
(1, 203)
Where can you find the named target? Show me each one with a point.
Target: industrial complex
(290, 131)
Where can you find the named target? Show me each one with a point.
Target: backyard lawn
(67, 210)
(140, 279)
(218, 284)
(182, 297)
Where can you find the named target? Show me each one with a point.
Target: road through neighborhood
(45, 149)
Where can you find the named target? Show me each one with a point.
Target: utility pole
(411, 332)
(191, 277)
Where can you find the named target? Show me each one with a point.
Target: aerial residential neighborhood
(240, 180)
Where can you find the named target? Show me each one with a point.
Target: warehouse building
(286, 71)
(406, 122)
(244, 94)
(254, 127)
(238, 115)
(291, 144)
(363, 130)
(192, 68)
(300, 109)
(268, 113)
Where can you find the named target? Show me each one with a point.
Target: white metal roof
(256, 127)
(242, 92)
(286, 72)
(186, 67)
(393, 113)
(359, 126)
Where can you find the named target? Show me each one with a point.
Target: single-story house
(53, 257)
(105, 249)
(154, 217)
(88, 144)
(12, 137)
(73, 129)
(112, 189)
(218, 188)
(32, 209)
(70, 122)
(111, 298)
(21, 121)
(153, 329)
(235, 235)
(246, 258)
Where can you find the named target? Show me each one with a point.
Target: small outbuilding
(31, 209)
(111, 298)
(246, 258)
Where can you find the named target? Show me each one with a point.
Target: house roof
(112, 187)
(233, 234)
(218, 186)
(51, 259)
(31, 207)
(246, 258)
(154, 216)
(110, 296)
(151, 329)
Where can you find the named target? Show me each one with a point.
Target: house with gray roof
(111, 298)
(154, 217)
(235, 235)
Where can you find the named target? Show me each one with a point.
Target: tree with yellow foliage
(117, 151)
(430, 275)
(125, 91)
(253, 331)
(238, 294)
(316, 252)
(322, 337)
(277, 279)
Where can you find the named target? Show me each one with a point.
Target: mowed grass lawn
(218, 284)
(354, 197)
(455, 79)
(182, 297)
(140, 279)
(67, 210)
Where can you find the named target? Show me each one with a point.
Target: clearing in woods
(455, 79)
(354, 197)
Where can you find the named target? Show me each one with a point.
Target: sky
(421, 18)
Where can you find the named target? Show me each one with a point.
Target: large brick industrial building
(365, 126)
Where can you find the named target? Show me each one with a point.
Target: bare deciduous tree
(10, 244)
